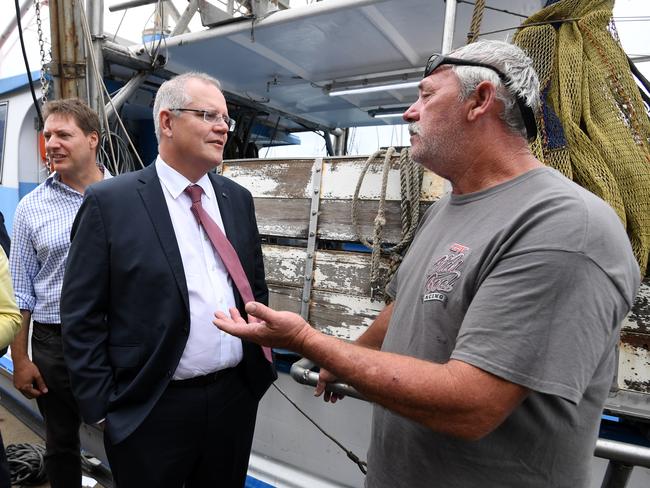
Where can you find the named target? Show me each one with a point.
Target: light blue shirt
(40, 244)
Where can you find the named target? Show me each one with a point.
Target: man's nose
(51, 142)
(220, 127)
(411, 114)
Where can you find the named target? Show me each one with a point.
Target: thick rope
(477, 19)
(410, 187)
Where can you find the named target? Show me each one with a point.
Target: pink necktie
(225, 250)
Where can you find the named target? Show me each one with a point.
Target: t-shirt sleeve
(543, 320)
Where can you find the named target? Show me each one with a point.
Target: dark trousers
(58, 407)
(196, 436)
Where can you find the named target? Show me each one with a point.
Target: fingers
(232, 325)
(260, 311)
(325, 378)
(235, 315)
(30, 392)
(228, 323)
(40, 383)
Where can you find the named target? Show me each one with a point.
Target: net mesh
(593, 127)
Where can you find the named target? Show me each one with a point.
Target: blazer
(125, 306)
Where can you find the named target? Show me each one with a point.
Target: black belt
(56, 328)
(206, 379)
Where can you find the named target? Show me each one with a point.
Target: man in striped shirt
(41, 239)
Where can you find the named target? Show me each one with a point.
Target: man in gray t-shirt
(496, 279)
(491, 367)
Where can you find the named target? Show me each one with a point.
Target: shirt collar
(56, 177)
(175, 183)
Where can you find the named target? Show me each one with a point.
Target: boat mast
(68, 67)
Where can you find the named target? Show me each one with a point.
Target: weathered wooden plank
(284, 178)
(290, 218)
(334, 271)
(336, 314)
(291, 178)
(341, 315)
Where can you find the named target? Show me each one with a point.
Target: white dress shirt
(209, 286)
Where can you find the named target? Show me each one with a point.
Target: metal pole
(340, 141)
(617, 475)
(125, 92)
(183, 22)
(68, 63)
(623, 453)
(450, 22)
(283, 17)
(129, 4)
(13, 22)
(95, 15)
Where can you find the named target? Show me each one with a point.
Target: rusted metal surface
(68, 65)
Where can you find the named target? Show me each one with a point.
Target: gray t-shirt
(528, 280)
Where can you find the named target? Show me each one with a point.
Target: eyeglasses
(209, 117)
(437, 60)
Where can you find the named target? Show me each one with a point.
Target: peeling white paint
(633, 366)
(630, 322)
(350, 333)
(339, 179)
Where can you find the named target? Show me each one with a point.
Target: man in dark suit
(178, 397)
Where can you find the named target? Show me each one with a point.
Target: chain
(45, 84)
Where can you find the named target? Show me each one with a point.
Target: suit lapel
(152, 196)
(224, 201)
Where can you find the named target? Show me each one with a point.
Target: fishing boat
(325, 68)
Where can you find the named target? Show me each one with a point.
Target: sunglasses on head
(437, 60)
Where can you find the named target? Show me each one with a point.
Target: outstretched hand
(285, 330)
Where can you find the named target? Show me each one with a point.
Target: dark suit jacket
(124, 304)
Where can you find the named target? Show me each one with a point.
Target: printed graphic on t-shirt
(444, 272)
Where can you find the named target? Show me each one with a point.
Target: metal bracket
(69, 71)
(316, 178)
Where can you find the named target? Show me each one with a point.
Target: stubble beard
(425, 148)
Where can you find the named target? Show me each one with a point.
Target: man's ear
(482, 100)
(165, 119)
(93, 139)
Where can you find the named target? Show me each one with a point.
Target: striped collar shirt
(40, 244)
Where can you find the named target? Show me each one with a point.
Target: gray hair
(514, 63)
(172, 94)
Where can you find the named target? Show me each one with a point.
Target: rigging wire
(363, 466)
(29, 72)
(559, 21)
(100, 80)
(120, 24)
